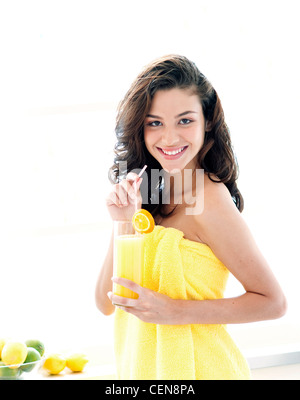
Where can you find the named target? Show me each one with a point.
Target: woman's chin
(173, 171)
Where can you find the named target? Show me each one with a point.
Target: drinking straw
(142, 171)
(139, 175)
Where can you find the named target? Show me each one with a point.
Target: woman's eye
(185, 121)
(154, 123)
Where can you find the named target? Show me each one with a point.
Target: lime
(36, 344)
(8, 373)
(32, 356)
(14, 354)
(76, 362)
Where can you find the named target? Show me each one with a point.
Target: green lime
(36, 344)
(8, 373)
(32, 356)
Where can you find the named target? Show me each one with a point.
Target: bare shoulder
(222, 227)
(219, 215)
(216, 195)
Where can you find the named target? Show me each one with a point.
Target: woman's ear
(207, 126)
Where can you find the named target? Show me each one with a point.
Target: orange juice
(128, 262)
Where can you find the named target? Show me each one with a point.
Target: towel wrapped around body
(181, 269)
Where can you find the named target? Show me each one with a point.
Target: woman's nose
(169, 137)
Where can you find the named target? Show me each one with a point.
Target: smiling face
(174, 129)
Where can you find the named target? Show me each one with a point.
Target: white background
(64, 66)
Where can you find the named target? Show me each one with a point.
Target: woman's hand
(124, 198)
(150, 307)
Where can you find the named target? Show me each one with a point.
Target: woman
(172, 120)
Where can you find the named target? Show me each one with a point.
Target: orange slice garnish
(143, 221)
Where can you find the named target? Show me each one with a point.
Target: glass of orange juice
(128, 257)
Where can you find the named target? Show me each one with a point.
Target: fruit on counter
(17, 357)
(8, 373)
(14, 353)
(36, 344)
(32, 356)
(55, 363)
(76, 362)
(2, 343)
(12, 361)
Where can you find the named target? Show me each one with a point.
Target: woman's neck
(178, 187)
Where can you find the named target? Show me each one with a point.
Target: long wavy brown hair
(216, 156)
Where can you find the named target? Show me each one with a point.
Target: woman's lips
(172, 153)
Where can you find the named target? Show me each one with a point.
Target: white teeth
(172, 153)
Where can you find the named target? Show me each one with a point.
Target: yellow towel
(181, 269)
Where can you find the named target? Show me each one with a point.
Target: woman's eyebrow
(177, 116)
(153, 116)
(186, 112)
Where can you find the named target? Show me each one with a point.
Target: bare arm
(121, 203)
(104, 283)
(224, 230)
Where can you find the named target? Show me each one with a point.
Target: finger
(122, 301)
(127, 283)
(129, 188)
(113, 199)
(135, 183)
(131, 176)
(134, 180)
(130, 310)
(141, 314)
(132, 187)
(121, 194)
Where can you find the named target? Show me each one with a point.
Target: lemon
(55, 363)
(76, 362)
(2, 343)
(14, 353)
(32, 356)
(36, 344)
